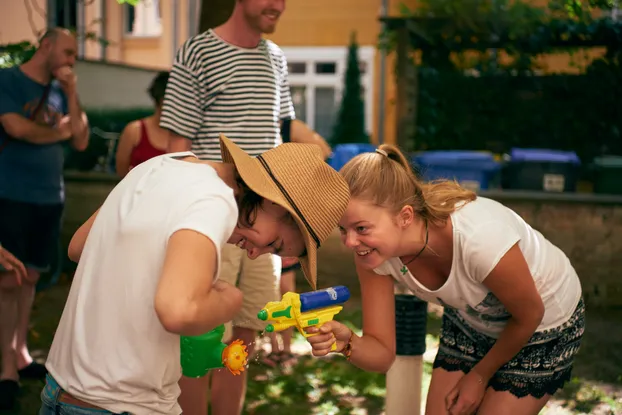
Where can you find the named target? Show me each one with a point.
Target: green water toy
(200, 354)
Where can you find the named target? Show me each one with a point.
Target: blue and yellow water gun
(304, 310)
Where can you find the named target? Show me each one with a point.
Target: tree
(350, 125)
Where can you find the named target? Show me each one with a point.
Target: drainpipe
(175, 39)
(383, 70)
(103, 23)
(51, 17)
(81, 29)
(192, 18)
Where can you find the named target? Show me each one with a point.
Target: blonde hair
(386, 179)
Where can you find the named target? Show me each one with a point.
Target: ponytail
(387, 179)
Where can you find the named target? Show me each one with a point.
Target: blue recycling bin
(342, 153)
(541, 170)
(473, 170)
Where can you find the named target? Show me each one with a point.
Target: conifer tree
(350, 123)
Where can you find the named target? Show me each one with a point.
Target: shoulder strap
(42, 101)
(143, 132)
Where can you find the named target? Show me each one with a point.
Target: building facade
(313, 34)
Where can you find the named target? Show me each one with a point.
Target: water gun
(305, 310)
(199, 354)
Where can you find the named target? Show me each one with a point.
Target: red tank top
(144, 150)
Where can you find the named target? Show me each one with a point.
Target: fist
(66, 77)
(326, 335)
(64, 127)
(12, 270)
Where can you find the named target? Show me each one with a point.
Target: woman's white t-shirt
(484, 230)
(110, 348)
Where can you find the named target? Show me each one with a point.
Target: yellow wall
(320, 23)
(148, 52)
(18, 22)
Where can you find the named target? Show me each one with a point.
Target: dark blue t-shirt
(30, 173)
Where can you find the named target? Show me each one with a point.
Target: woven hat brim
(259, 181)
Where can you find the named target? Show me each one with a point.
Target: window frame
(128, 33)
(310, 80)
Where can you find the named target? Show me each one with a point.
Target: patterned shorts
(542, 367)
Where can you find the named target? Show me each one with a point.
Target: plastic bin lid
(541, 154)
(454, 155)
(354, 147)
(471, 160)
(608, 161)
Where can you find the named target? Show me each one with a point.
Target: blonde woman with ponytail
(513, 311)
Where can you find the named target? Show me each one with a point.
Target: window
(296, 67)
(143, 19)
(299, 98)
(316, 83)
(326, 67)
(325, 108)
(66, 13)
(363, 67)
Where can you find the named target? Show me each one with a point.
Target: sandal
(272, 359)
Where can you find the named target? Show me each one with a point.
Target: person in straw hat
(148, 265)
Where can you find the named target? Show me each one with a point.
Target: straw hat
(296, 177)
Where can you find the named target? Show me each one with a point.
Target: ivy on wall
(470, 98)
(578, 113)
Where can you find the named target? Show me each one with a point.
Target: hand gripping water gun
(305, 310)
(199, 354)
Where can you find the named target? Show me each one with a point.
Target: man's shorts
(30, 232)
(258, 280)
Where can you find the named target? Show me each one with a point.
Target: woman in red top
(143, 139)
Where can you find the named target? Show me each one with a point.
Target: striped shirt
(216, 87)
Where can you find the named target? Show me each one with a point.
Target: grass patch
(332, 386)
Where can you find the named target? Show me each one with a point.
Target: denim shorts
(51, 406)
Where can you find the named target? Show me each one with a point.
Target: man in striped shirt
(230, 80)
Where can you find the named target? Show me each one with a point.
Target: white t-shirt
(484, 230)
(110, 349)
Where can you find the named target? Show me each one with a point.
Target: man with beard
(39, 112)
(230, 80)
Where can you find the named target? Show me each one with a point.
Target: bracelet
(347, 349)
(480, 378)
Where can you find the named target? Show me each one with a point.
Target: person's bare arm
(78, 121)
(76, 245)
(187, 301)
(21, 128)
(512, 283)
(375, 350)
(177, 143)
(130, 136)
(79, 124)
(301, 133)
